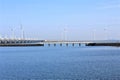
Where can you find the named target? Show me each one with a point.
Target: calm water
(59, 63)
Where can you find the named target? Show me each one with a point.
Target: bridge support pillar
(54, 44)
(73, 44)
(66, 44)
(48, 44)
(60, 44)
(79, 44)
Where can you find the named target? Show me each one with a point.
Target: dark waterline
(52, 63)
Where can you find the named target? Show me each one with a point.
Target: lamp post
(13, 33)
(106, 33)
(94, 34)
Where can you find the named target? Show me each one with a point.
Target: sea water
(60, 63)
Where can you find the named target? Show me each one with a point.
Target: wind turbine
(106, 33)
(22, 32)
(65, 33)
(13, 33)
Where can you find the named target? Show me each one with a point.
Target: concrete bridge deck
(18, 42)
(27, 42)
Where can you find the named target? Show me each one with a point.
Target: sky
(60, 19)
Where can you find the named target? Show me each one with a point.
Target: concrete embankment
(104, 44)
(4, 45)
(17, 42)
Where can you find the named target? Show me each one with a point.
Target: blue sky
(47, 19)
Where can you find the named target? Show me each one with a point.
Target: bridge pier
(54, 44)
(73, 44)
(79, 44)
(60, 44)
(48, 44)
(66, 44)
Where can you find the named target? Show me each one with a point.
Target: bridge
(20, 42)
(79, 43)
(30, 42)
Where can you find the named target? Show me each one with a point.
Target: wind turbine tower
(65, 33)
(22, 32)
